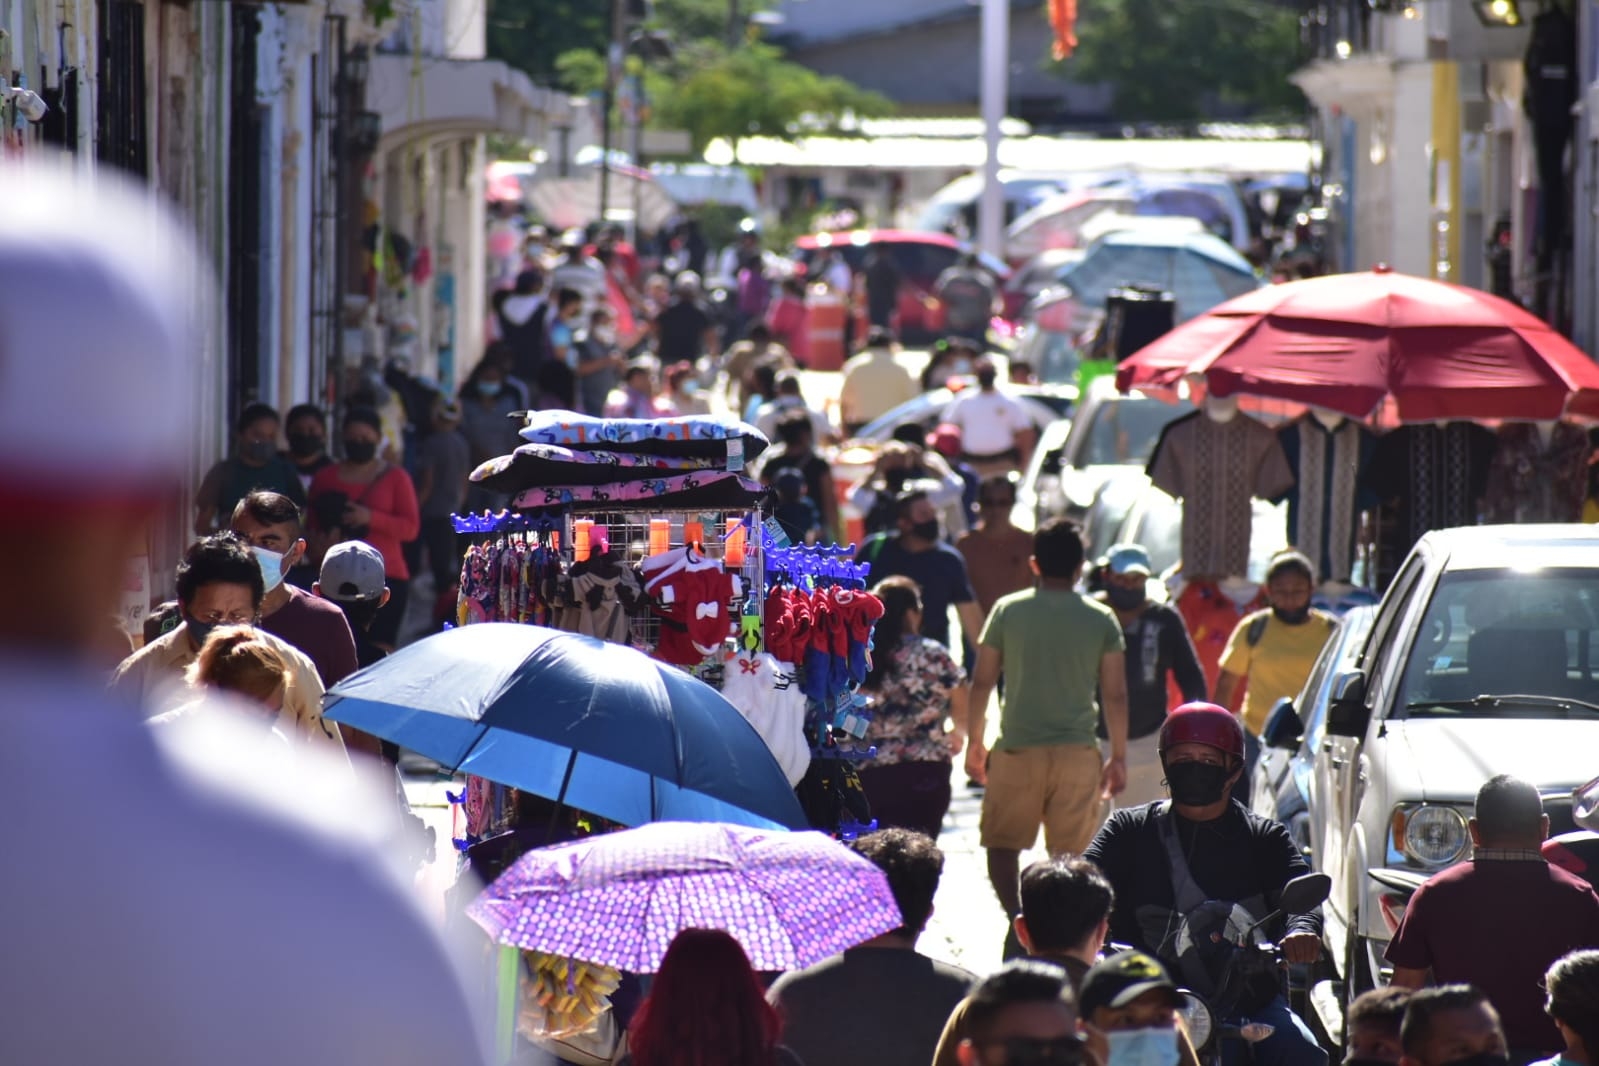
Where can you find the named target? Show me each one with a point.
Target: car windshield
(1503, 633)
(1124, 432)
(1053, 356)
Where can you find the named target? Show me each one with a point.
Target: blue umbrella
(1199, 269)
(601, 727)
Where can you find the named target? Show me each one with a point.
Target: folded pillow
(534, 465)
(689, 436)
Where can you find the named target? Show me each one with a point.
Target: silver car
(1483, 660)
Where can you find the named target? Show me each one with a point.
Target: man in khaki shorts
(1056, 649)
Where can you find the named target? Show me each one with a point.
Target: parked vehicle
(1284, 773)
(1481, 661)
(921, 258)
(1110, 432)
(1038, 495)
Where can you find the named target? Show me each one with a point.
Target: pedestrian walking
(254, 464)
(599, 362)
(741, 358)
(883, 279)
(705, 1008)
(636, 398)
(219, 584)
(88, 446)
(1056, 648)
(683, 391)
(367, 498)
(916, 549)
(1573, 985)
(443, 461)
(306, 430)
(272, 526)
(882, 1003)
(789, 397)
(796, 453)
(875, 382)
(953, 357)
(235, 660)
(1372, 1027)
(1026, 1012)
(353, 580)
(522, 317)
(998, 555)
(969, 295)
(1452, 1024)
(919, 695)
(997, 433)
(684, 330)
(1159, 655)
(788, 319)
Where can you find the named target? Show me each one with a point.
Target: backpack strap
(1257, 627)
(1186, 893)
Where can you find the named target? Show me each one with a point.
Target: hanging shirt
(766, 692)
(1433, 477)
(1327, 497)
(1529, 481)
(1215, 468)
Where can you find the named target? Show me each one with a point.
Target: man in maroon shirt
(270, 524)
(1498, 921)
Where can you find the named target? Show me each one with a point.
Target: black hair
(220, 559)
(162, 619)
(1508, 809)
(900, 596)
(1290, 562)
(306, 410)
(879, 337)
(270, 509)
(913, 864)
(1058, 548)
(1426, 1004)
(794, 427)
(364, 416)
(1019, 982)
(993, 483)
(567, 297)
(788, 383)
(760, 333)
(529, 282)
(1573, 984)
(1379, 1008)
(256, 412)
(909, 433)
(1064, 899)
(908, 499)
(765, 375)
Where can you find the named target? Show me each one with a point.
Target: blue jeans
(1290, 1044)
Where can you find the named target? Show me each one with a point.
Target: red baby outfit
(691, 593)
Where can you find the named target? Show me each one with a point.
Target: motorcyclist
(1195, 866)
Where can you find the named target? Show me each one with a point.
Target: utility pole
(995, 68)
(613, 75)
(735, 24)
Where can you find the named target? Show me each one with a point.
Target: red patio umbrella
(1348, 341)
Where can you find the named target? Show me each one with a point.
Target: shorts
(1056, 786)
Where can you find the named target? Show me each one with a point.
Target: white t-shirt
(988, 421)
(165, 914)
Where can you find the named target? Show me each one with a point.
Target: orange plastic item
(581, 529)
(824, 321)
(733, 554)
(694, 533)
(660, 536)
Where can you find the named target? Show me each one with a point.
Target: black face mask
(1197, 784)
(1124, 599)
(259, 452)
(1482, 1058)
(360, 451)
(926, 530)
(305, 445)
(1357, 1061)
(1297, 617)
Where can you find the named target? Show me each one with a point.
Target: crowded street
(800, 533)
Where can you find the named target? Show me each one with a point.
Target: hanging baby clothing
(1533, 481)
(599, 602)
(767, 693)
(691, 593)
(1325, 502)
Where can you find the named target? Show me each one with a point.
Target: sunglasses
(1064, 1051)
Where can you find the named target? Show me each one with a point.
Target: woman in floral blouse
(917, 689)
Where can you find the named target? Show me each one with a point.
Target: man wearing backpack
(523, 318)
(1272, 651)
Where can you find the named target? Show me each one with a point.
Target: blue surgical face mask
(198, 631)
(271, 564)
(1142, 1047)
(488, 388)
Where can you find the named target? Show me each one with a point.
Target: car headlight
(1431, 834)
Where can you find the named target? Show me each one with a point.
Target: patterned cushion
(692, 436)
(537, 465)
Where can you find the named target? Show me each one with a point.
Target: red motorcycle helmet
(1203, 723)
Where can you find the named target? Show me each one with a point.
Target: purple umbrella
(792, 899)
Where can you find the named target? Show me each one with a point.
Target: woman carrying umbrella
(918, 687)
(706, 1007)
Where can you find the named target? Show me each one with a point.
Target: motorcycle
(1247, 971)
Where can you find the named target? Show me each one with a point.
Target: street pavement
(968, 926)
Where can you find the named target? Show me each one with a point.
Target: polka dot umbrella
(791, 899)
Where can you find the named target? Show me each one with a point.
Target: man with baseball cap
(352, 578)
(171, 900)
(1225, 868)
(1158, 650)
(1128, 1007)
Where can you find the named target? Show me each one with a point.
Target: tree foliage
(1173, 62)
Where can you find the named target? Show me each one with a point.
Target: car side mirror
(1284, 729)
(1347, 713)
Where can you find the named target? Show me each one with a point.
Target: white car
(1110, 433)
(1483, 660)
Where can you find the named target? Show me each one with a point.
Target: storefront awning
(428, 97)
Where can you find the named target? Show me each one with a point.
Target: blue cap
(1128, 559)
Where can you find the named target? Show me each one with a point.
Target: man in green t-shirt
(1056, 648)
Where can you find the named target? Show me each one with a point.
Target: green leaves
(1188, 59)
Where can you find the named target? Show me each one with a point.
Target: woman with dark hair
(918, 689)
(365, 497)
(1573, 984)
(706, 1007)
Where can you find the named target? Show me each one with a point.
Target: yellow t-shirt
(1277, 665)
